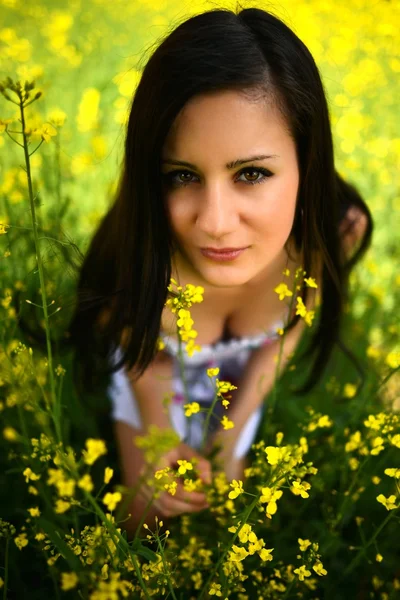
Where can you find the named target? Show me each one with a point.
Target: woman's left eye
(259, 173)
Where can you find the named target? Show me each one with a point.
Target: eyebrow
(230, 165)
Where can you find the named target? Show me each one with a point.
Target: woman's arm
(150, 390)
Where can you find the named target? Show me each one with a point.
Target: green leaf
(59, 543)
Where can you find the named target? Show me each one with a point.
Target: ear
(352, 229)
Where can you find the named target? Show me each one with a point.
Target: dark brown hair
(128, 264)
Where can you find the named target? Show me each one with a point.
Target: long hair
(127, 267)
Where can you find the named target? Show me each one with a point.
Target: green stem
(171, 589)
(224, 553)
(278, 364)
(207, 421)
(112, 529)
(362, 552)
(348, 497)
(6, 570)
(386, 379)
(41, 275)
(289, 589)
(182, 366)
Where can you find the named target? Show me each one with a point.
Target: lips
(222, 255)
(223, 250)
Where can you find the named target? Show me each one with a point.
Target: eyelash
(170, 176)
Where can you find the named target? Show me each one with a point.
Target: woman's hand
(182, 501)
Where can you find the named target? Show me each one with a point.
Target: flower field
(317, 513)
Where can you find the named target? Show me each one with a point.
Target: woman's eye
(183, 178)
(255, 175)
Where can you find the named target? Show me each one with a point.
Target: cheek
(178, 217)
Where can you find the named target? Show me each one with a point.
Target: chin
(226, 277)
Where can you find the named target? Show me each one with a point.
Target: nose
(217, 214)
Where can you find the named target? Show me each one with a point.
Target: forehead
(226, 122)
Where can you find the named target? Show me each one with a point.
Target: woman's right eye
(173, 180)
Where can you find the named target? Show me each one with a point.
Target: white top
(230, 356)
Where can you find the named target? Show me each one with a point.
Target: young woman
(228, 181)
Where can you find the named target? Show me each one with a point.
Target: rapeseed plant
(236, 548)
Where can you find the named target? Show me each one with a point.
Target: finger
(204, 469)
(185, 452)
(172, 506)
(195, 498)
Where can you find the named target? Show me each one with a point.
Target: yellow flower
(282, 290)
(377, 445)
(265, 554)
(349, 390)
(108, 474)
(65, 487)
(224, 386)
(300, 488)
(34, 512)
(300, 309)
(304, 544)
(237, 489)
(395, 440)
(310, 281)
(111, 500)
(171, 487)
(379, 558)
(57, 117)
(388, 503)
(238, 554)
(302, 572)
(4, 123)
(319, 568)
(189, 485)
(10, 434)
(104, 571)
(95, 449)
(3, 228)
(269, 496)
(32, 490)
(184, 466)
(68, 581)
(213, 372)
(160, 344)
(324, 421)
(40, 537)
(86, 483)
(309, 317)
(161, 473)
(392, 473)
(226, 423)
(46, 132)
(21, 541)
(215, 589)
(286, 272)
(30, 475)
(62, 506)
(354, 463)
(274, 455)
(393, 359)
(191, 409)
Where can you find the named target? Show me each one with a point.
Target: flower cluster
(182, 300)
(284, 292)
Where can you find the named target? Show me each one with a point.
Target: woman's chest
(218, 318)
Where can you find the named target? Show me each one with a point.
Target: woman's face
(214, 200)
